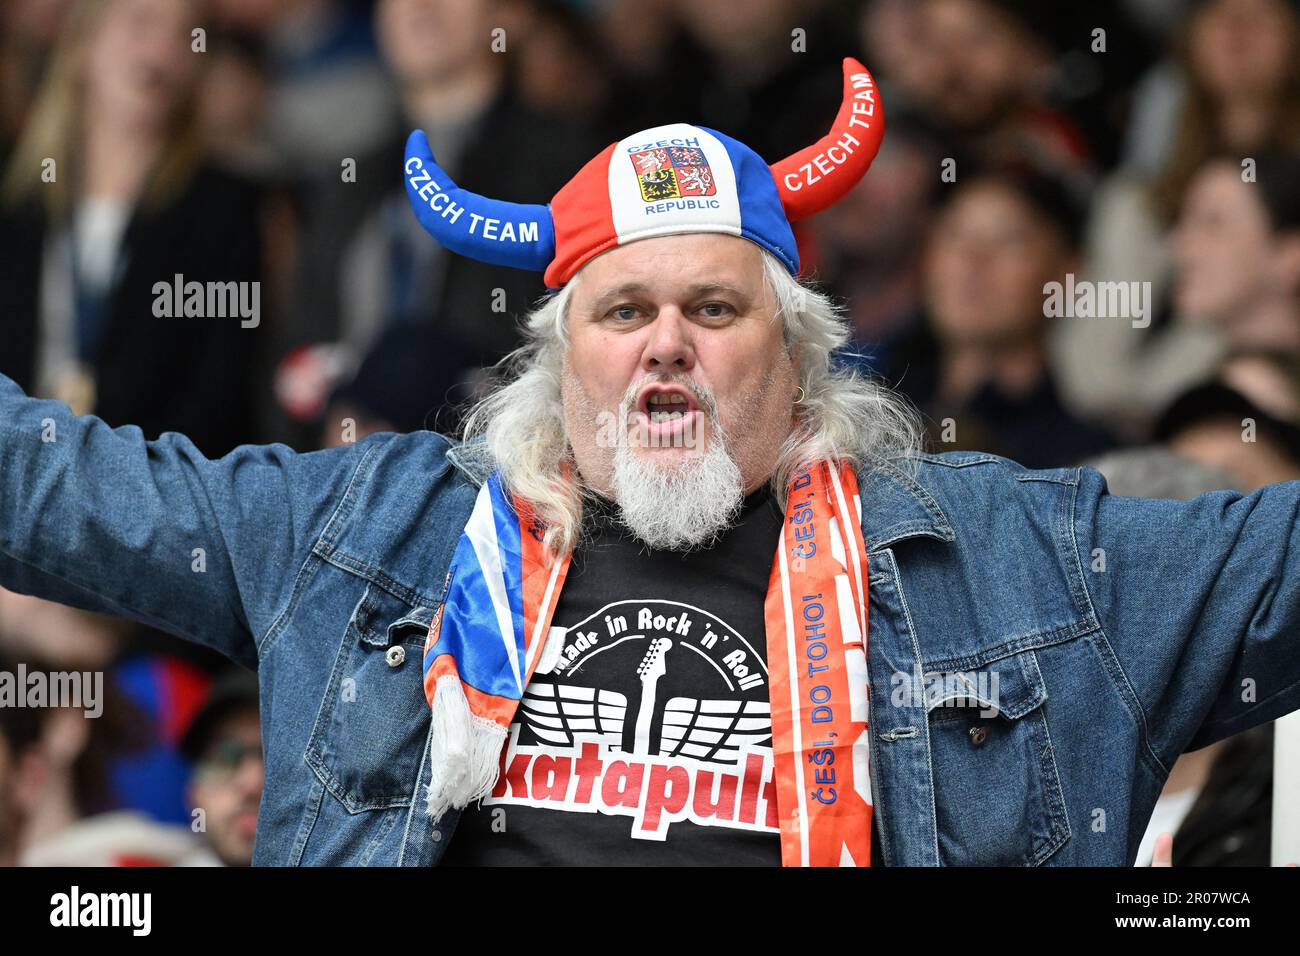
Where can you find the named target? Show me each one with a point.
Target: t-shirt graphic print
(645, 736)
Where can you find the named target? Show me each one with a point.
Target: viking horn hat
(671, 179)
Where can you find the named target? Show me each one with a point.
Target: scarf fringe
(464, 751)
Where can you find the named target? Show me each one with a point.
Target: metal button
(437, 836)
(978, 735)
(395, 655)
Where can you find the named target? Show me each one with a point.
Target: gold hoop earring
(802, 395)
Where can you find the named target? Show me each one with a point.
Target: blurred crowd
(1145, 152)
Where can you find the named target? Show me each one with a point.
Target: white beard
(679, 505)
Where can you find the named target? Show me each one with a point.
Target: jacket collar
(469, 464)
(895, 505)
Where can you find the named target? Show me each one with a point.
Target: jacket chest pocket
(997, 791)
(370, 732)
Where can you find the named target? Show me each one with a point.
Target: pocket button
(978, 735)
(395, 655)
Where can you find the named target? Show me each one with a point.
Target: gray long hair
(843, 415)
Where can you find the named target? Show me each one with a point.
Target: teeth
(670, 399)
(665, 416)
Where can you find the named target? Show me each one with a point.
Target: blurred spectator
(1233, 89)
(901, 52)
(233, 107)
(639, 36)
(1269, 379)
(1241, 63)
(981, 361)
(562, 67)
(991, 66)
(1154, 471)
(156, 694)
(1217, 426)
(1226, 806)
(366, 261)
(873, 239)
(56, 806)
(411, 380)
(22, 771)
(224, 744)
(166, 691)
(27, 32)
(1235, 251)
(235, 127)
(1237, 254)
(128, 205)
(327, 96)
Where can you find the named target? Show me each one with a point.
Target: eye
(716, 310)
(623, 313)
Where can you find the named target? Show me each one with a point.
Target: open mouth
(667, 416)
(662, 404)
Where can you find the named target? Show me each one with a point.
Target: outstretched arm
(101, 519)
(1199, 603)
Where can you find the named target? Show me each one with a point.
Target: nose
(668, 347)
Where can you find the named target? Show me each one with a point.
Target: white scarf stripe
(852, 540)
(535, 645)
(786, 602)
(482, 533)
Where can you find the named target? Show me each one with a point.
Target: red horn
(817, 176)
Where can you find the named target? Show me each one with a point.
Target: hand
(1163, 855)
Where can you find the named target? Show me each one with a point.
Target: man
(223, 743)
(981, 360)
(684, 693)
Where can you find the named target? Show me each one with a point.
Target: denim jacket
(1092, 638)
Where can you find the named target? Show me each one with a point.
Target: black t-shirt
(650, 739)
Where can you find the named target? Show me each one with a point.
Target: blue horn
(515, 234)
